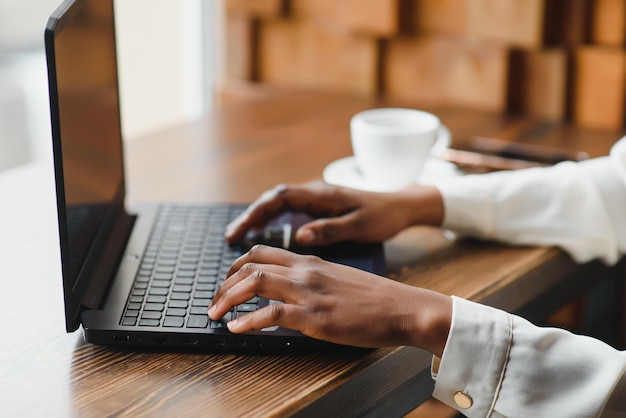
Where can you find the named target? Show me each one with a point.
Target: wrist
(423, 205)
(432, 321)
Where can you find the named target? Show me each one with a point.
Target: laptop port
(159, 340)
(216, 343)
(121, 338)
(188, 340)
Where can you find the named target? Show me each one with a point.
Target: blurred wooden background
(560, 60)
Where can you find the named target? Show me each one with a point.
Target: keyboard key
(134, 306)
(132, 314)
(151, 315)
(201, 302)
(156, 299)
(154, 307)
(207, 278)
(190, 260)
(159, 291)
(198, 321)
(187, 267)
(204, 294)
(178, 304)
(205, 286)
(163, 276)
(129, 321)
(180, 296)
(247, 307)
(173, 321)
(182, 288)
(210, 267)
(213, 252)
(176, 312)
(218, 325)
(160, 283)
(198, 310)
(149, 322)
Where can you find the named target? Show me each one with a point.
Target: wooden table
(234, 155)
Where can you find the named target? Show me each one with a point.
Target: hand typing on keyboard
(332, 302)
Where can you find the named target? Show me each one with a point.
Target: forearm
(577, 207)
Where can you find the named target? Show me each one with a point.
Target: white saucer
(344, 172)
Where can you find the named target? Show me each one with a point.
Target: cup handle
(443, 141)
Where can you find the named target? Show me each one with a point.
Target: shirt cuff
(470, 373)
(468, 207)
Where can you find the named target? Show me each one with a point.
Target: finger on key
(282, 315)
(249, 283)
(258, 214)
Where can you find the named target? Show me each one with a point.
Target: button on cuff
(462, 400)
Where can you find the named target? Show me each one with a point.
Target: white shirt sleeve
(509, 367)
(504, 364)
(576, 206)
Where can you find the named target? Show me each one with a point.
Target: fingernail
(233, 325)
(211, 311)
(306, 236)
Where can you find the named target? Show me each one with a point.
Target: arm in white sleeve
(505, 365)
(576, 206)
(509, 367)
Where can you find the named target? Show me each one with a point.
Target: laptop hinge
(105, 268)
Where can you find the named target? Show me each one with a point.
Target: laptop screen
(86, 126)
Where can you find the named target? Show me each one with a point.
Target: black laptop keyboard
(185, 262)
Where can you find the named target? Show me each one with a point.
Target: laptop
(141, 276)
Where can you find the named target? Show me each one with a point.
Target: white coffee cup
(391, 145)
